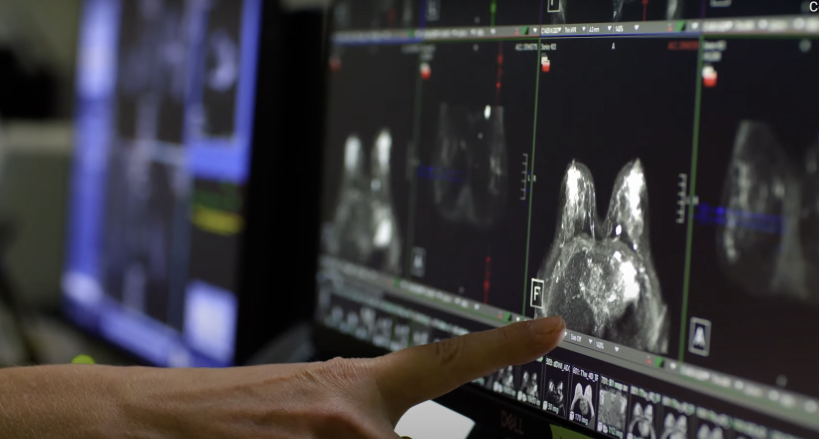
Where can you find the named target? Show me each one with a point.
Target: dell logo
(511, 422)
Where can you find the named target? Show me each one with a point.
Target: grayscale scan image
(364, 229)
(599, 274)
(767, 241)
(612, 405)
(473, 144)
(642, 422)
(675, 427)
(708, 432)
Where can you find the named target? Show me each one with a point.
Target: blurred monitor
(166, 99)
(649, 170)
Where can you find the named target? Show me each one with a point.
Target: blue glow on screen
(224, 160)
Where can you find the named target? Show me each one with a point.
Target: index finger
(409, 377)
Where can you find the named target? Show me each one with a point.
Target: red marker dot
(426, 72)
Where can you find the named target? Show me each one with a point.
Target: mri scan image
(642, 422)
(153, 70)
(708, 432)
(144, 198)
(674, 427)
(768, 228)
(673, 10)
(529, 388)
(470, 165)
(224, 71)
(364, 228)
(612, 407)
(503, 382)
(556, 397)
(506, 377)
(222, 68)
(583, 404)
(599, 274)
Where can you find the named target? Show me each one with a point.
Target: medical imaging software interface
(165, 92)
(647, 169)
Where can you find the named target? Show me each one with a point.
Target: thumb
(409, 377)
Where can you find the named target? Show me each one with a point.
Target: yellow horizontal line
(217, 221)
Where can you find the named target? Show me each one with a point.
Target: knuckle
(447, 351)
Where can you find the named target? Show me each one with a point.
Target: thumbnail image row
(604, 404)
(392, 14)
(611, 407)
(433, 174)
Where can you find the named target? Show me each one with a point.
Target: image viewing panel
(367, 184)
(377, 14)
(756, 224)
(614, 136)
(603, 11)
(455, 13)
(475, 141)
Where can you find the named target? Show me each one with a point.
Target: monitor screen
(645, 169)
(165, 102)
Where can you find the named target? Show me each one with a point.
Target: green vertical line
(692, 194)
(416, 138)
(493, 9)
(531, 183)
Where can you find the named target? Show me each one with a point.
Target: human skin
(339, 399)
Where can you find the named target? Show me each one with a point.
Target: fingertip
(548, 331)
(547, 326)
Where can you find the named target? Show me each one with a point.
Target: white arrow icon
(617, 349)
(584, 27)
(590, 341)
(636, 26)
(609, 27)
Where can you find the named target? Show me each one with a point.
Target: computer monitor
(163, 187)
(645, 169)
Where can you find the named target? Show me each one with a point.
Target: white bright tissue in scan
(434, 421)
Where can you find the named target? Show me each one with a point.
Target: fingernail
(547, 326)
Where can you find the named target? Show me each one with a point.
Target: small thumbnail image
(584, 393)
(644, 412)
(529, 386)
(384, 325)
(712, 425)
(400, 335)
(612, 406)
(748, 430)
(707, 430)
(421, 334)
(677, 419)
(556, 387)
(504, 382)
(365, 327)
(341, 314)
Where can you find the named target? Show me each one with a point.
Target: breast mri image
(367, 191)
(601, 272)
